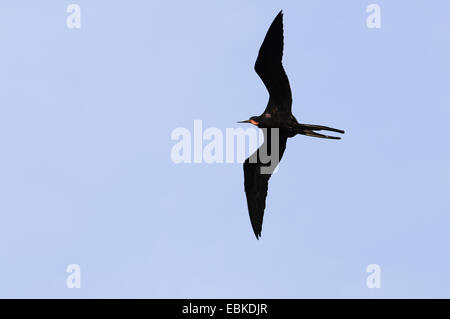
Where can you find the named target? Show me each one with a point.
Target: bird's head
(255, 120)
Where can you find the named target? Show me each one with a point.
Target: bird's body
(277, 115)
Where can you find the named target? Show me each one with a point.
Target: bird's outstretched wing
(256, 183)
(270, 69)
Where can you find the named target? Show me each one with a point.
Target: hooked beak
(249, 121)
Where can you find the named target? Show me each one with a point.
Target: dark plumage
(276, 115)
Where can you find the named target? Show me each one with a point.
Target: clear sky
(86, 175)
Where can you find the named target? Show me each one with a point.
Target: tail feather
(320, 128)
(308, 130)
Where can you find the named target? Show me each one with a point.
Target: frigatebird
(277, 115)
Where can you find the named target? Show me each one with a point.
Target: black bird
(276, 115)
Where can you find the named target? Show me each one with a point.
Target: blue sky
(86, 175)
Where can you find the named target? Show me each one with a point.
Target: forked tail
(309, 130)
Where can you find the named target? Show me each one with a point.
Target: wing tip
(280, 14)
(257, 231)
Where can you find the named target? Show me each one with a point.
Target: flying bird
(277, 115)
